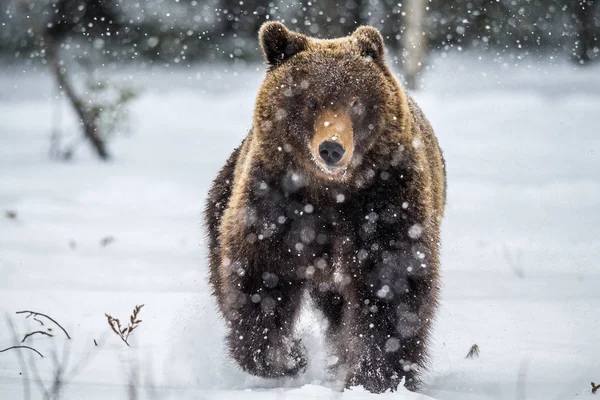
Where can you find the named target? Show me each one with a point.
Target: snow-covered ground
(521, 238)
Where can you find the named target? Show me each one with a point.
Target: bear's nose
(331, 152)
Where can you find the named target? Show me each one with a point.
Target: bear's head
(330, 105)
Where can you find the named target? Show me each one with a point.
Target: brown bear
(338, 190)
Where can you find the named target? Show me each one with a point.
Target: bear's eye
(357, 107)
(312, 105)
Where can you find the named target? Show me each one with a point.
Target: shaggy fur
(362, 239)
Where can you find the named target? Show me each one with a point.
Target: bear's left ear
(278, 43)
(370, 42)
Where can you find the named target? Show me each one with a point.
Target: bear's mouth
(330, 170)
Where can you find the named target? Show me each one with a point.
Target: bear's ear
(278, 44)
(370, 42)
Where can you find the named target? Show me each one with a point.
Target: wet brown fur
(364, 243)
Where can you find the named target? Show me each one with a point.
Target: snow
(520, 237)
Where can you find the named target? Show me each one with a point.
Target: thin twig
(22, 347)
(33, 333)
(34, 313)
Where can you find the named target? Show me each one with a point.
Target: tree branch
(22, 347)
(33, 333)
(34, 313)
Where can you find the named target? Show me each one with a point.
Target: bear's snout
(331, 152)
(332, 144)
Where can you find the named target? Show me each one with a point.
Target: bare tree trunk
(56, 135)
(414, 41)
(88, 120)
(260, 15)
(584, 14)
(392, 28)
(90, 129)
(229, 25)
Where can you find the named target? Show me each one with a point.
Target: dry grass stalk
(473, 352)
(124, 332)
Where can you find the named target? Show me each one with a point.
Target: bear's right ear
(278, 44)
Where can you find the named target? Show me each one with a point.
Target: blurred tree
(330, 19)
(393, 27)
(584, 15)
(91, 20)
(357, 10)
(183, 31)
(94, 17)
(414, 41)
(240, 23)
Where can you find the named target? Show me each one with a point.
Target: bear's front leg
(390, 330)
(260, 312)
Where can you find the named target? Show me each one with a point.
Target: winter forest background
(83, 35)
(116, 114)
(184, 31)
